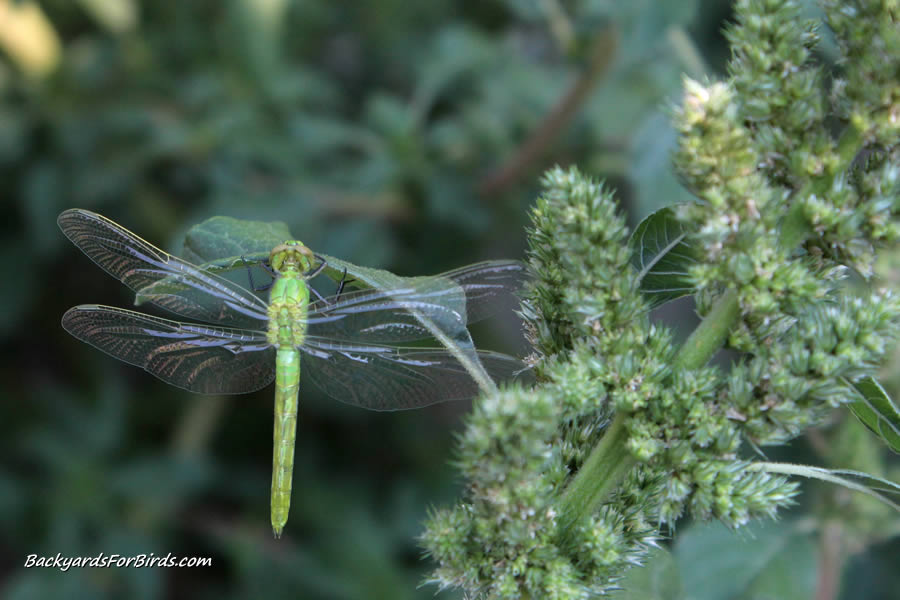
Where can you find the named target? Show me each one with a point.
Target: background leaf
(229, 238)
(658, 579)
(765, 560)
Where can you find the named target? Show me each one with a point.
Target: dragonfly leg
(319, 297)
(337, 295)
(268, 269)
(318, 268)
(343, 282)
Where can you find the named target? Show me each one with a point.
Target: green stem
(711, 334)
(794, 229)
(610, 461)
(849, 145)
(607, 465)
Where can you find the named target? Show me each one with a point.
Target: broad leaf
(225, 244)
(656, 579)
(227, 238)
(762, 560)
(661, 255)
(878, 412)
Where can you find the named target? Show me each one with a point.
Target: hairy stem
(711, 334)
(607, 465)
(794, 228)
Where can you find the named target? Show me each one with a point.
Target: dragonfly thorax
(291, 256)
(289, 294)
(288, 305)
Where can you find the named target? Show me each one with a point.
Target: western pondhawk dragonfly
(347, 344)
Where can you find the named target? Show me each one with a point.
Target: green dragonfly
(348, 344)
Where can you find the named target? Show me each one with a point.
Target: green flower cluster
(567, 484)
(868, 93)
(780, 94)
(806, 363)
(512, 535)
(737, 222)
(527, 527)
(792, 211)
(581, 259)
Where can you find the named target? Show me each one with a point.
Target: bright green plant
(797, 186)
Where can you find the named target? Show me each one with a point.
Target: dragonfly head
(292, 255)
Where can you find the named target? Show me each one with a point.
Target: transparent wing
(390, 378)
(198, 358)
(159, 277)
(451, 301)
(486, 285)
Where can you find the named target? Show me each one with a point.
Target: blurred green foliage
(378, 131)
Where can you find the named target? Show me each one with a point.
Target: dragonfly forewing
(158, 277)
(199, 358)
(488, 285)
(448, 303)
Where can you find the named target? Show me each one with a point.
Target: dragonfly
(349, 345)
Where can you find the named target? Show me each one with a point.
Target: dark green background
(371, 129)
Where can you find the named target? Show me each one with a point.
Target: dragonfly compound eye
(292, 255)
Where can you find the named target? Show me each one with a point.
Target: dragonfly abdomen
(287, 385)
(288, 302)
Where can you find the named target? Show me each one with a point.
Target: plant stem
(711, 334)
(849, 145)
(830, 561)
(794, 228)
(608, 463)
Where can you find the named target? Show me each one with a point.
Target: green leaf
(877, 411)
(225, 239)
(657, 579)
(879, 488)
(661, 255)
(765, 560)
(225, 244)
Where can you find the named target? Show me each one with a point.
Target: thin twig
(601, 58)
(830, 562)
